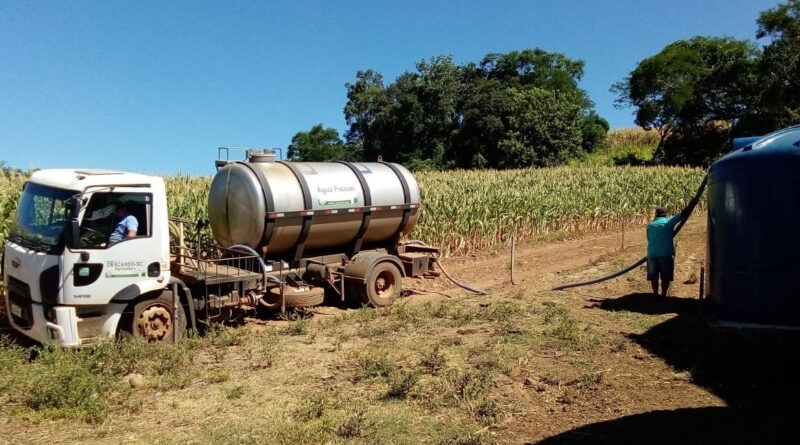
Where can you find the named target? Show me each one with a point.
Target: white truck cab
(66, 283)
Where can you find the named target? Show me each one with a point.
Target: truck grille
(19, 295)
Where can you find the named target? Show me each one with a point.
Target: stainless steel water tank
(316, 205)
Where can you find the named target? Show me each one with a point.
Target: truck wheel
(295, 298)
(382, 286)
(156, 320)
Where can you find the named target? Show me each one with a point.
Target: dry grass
(623, 146)
(517, 365)
(632, 136)
(411, 384)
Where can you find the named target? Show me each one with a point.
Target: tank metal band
(406, 197)
(359, 239)
(307, 215)
(370, 209)
(269, 224)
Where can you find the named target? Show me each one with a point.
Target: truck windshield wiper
(15, 238)
(30, 243)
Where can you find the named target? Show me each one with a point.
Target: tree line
(526, 108)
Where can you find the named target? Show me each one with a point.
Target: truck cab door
(99, 271)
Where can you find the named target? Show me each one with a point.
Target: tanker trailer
(320, 225)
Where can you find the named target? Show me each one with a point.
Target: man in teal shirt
(661, 250)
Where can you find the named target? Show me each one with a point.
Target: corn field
(10, 189)
(464, 211)
(637, 136)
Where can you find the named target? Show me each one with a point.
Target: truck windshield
(39, 222)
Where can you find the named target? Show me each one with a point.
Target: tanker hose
(456, 282)
(444, 271)
(255, 254)
(685, 212)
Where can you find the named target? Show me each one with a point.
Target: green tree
(321, 144)
(444, 115)
(366, 99)
(544, 130)
(485, 109)
(540, 69)
(593, 131)
(421, 114)
(777, 101)
(702, 84)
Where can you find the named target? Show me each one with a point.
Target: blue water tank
(753, 251)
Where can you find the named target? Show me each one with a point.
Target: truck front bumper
(64, 327)
(62, 332)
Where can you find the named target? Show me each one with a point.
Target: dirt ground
(632, 368)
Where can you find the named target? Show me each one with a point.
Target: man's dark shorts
(663, 266)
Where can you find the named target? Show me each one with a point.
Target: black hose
(444, 271)
(685, 212)
(456, 282)
(607, 277)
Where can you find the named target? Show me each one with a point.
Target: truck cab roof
(80, 179)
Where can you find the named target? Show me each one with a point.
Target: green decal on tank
(343, 201)
(336, 194)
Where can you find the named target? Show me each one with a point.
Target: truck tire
(295, 298)
(155, 320)
(382, 285)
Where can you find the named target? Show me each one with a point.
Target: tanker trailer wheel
(381, 286)
(295, 297)
(154, 320)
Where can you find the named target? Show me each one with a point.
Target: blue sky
(156, 86)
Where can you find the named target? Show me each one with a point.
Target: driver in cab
(126, 224)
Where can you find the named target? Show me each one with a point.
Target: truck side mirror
(72, 231)
(73, 207)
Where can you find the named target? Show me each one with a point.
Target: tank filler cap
(258, 155)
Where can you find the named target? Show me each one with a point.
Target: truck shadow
(754, 371)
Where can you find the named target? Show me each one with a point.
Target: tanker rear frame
(218, 284)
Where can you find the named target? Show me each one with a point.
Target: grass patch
(264, 350)
(311, 407)
(564, 332)
(234, 392)
(456, 313)
(297, 327)
(589, 379)
(86, 384)
(487, 411)
(452, 341)
(221, 336)
(588, 376)
(502, 312)
(433, 360)
(550, 378)
(618, 345)
(641, 321)
(466, 438)
(401, 383)
(466, 386)
(354, 424)
(218, 376)
(371, 366)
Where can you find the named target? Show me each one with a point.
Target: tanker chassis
(285, 235)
